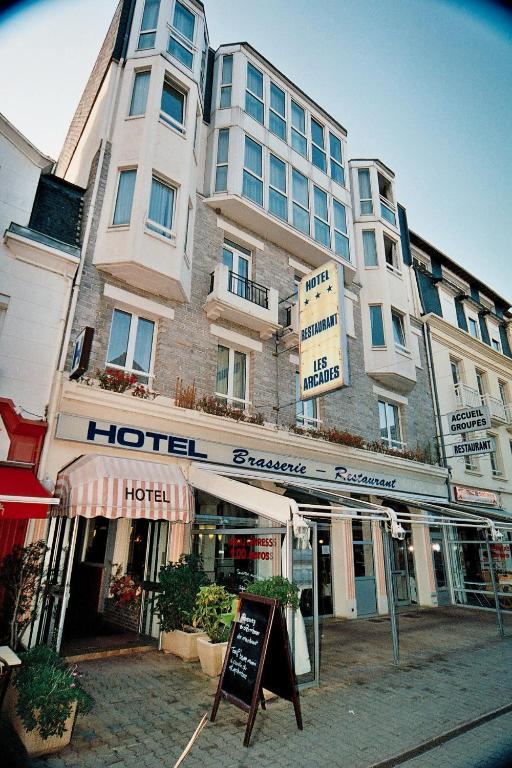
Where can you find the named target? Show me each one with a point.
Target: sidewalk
(148, 705)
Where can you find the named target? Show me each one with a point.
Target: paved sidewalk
(147, 706)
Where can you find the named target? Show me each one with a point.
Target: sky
(424, 85)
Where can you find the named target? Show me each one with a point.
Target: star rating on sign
(317, 295)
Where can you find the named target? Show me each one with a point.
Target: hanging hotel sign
(322, 336)
(469, 419)
(474, 495)
(474, 447)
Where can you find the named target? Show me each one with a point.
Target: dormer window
(181, 41)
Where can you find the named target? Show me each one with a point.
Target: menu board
(243, 658)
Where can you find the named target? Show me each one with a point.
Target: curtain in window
(161, 203)
(320, 203)
(119, 334)
(377, 326)
(150, 15)
(239, 376)
(369, 248)
(298, 118)
(300, 189)
(139, 93)
(124, 200)
(254, 81)
(365, 190)
(173, 103)
(277, 99)
(277, 173)
(223, 146)
(184, 21)
(252, 157)
(227, 70)
(143, 345)
(221, 386)
(340, 216)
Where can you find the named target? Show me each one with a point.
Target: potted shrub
(43, 700)
(286, 592)
(179, 584)
(214, 612)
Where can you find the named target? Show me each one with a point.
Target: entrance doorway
(403, 571)
(364, 570)
(439, 565)
(325, 602)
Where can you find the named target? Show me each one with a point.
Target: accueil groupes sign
(469, 419)
(322, 335)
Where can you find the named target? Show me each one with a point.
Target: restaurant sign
(322, 334)
(111, 435)
(474, 447)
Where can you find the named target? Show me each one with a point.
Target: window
(277, 114)
(455, 368)
(365, 191)
(321, 218)
(172, 106)
(300, 197)
(237, 259)
(495, 463)
(149, 24)
(480, 383)
(306, 411)
(231, 382)
(385, 190)
(181, 40)
(299, 141)
(221, 173)
(130, 346)
(503, 392)
(187, 227)
(202, 73)
(277, 199)
(391, 254)
(473, 328)
(377, 326)
(318, 157)
(341, 246)
(124, 198)
(161, 208)
(495, 344)
(397, 321)
(369, 248)
(390, 427)
(337, 172)
(226, 81)
(139, 93)
(447, 306)
(470, 462)
(253, 171)
(254, 94)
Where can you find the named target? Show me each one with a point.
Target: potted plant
(214, 612)
(20, 573)
(286, 592)
(179, 584)
(43, 700)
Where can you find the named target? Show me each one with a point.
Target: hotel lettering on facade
(214, 186)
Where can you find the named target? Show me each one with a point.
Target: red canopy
(21, 495)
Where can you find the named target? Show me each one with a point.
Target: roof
(16, 137)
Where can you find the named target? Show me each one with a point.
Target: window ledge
(403, 351)
(169, 240)
(135, 117)
(172, 128)
(395, 271)
(475, 472)
(118, 227)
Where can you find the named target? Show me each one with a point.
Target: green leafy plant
(286, 592)
(215, 611)
(179, 584)
(20, 572)
(47, 689)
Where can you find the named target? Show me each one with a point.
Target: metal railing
(467, 395)
(499, 410)
(496, 407)
(247, 289)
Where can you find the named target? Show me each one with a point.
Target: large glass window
(473, 328)
(226, 81)
(336, 161)
(318, 156)
(254, 94)
(124, 198)
(172, 106)
(139, 93)
(149, 24)
(365, 191)
(182, 36)
(131, 344)
(231, 381)
(306, 411)
(377, 326)
(369, 248)
(397, 321)
(391, 254)
(390, 428)
(221, 173)
(299, 141)
(341, 246)
(277, 199)
(253, 171)
(300, 196)
(277, 113)
(161, 208)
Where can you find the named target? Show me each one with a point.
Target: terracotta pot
(31, 740)
(211, 656)
(182, 644)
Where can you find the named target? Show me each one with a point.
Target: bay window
(377, 326)
(226, 81)
(300, 197)
(336, 161)
(253, 171)
(161, 208)
(124, 197)
(391, 254)
(369, 248)
(149, 24)
(341, 246)
(397, 322)
(139, 93)
(390, 426)
(181, 40)
(365, 191)
(321, 232)
(130, 347)
(318, 156)
(277, 113)
(232, 379)
(221, 173)
(277, 199)
(172, 106)
(254, 94)
(299, 141)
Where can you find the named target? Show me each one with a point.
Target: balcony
(467, 396)
(497, 409)
(236, 298)
(471, 398)
(290, 337)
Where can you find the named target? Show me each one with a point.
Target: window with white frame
(470, 462)
(221, 172)
(386, 199)
(391, 254)
(226, 83)
(377, 326)
(253, 171)
(369, 248)
(161, 208)
(172, 105)
(473, 327)
(277, 190)
(139, 93)
(181, 39)
(480, 383)
(277, 112)
(299, 140)
(455, 368)
(232, 377)
(148, 27)
(254, 94)
(365, 191)
(496, 344)
(339, 215)
(300, 198)
(306, 411)
(321, 217)
(397, 322)
(503, 390)
(130, 347)
(494, 456)
(124, 196)
(318, 156)
(336, 160)
(447, 301)
(390, 425)
(238, 260)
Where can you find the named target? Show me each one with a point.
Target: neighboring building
(39, 256)
(467, 326)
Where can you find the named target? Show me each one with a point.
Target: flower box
(34, 744)
(182, 644)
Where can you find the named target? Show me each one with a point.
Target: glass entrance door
(364, 571)
(404, 575)
(325, 605)
(439, 565)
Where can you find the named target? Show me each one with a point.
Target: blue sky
(425, 85)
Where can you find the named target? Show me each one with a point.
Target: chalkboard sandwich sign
(258, 656)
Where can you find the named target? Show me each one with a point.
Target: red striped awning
(116, 487)
(22, 497)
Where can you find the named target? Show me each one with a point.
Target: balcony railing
(467, 395)
(501, 413)
(496, 407)
(245, 288)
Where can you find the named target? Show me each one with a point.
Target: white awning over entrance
(116, 487)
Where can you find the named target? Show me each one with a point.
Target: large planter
(211, 656)
(31, 740)
(182, 644)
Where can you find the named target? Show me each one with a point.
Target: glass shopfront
(472, 581)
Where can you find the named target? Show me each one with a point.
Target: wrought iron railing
(247, 289)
